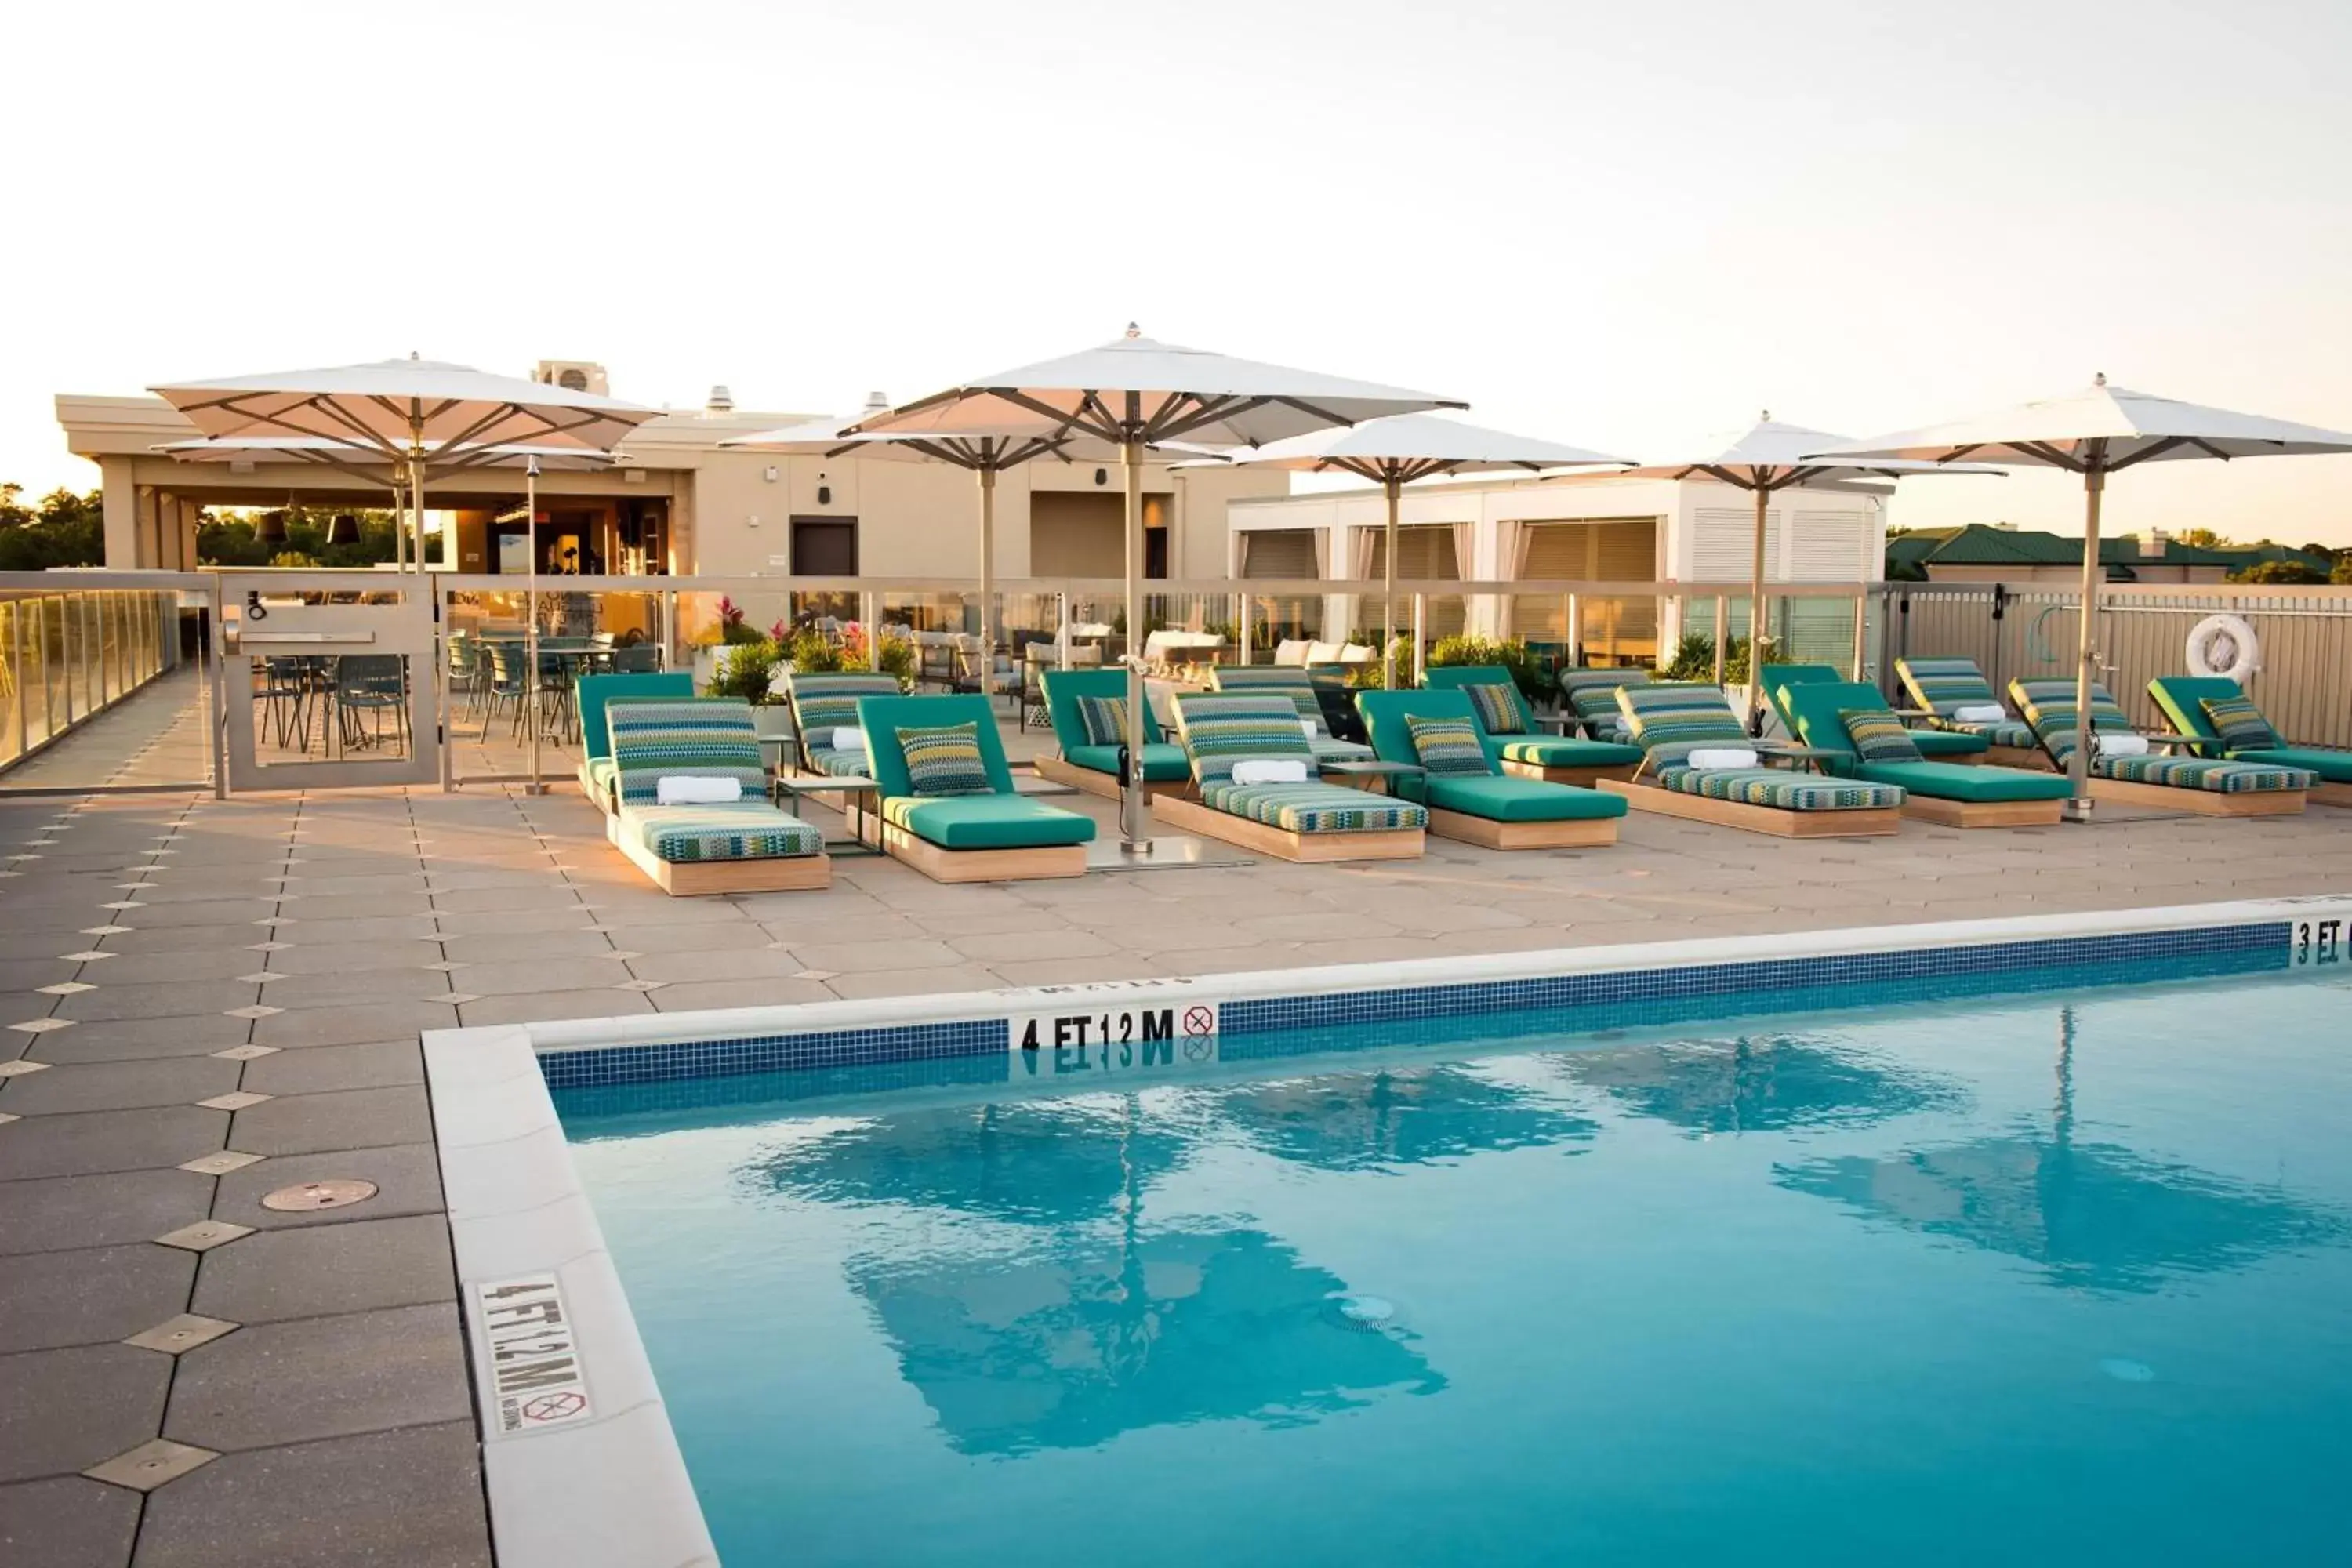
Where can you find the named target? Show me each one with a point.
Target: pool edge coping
(614, 1488)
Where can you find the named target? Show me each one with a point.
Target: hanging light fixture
(343, 529)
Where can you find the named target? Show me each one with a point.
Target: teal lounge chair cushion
(750, 830)
(1566, 754)
(1163, 761)
(2330, 767)
(1499, 799)
(1314, 807)
(836, 764)
(2239, 724)
(986, 821)
(1781, 790)
(2212, 774)
(1934, 744)
(2181, 698)
(1960, 782)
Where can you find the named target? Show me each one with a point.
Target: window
(1276, 553)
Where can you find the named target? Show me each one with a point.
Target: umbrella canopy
(1769, 457)
(1136, 393)
(366, 460)
(403, 409)
(2095, 432)
(1395, 451)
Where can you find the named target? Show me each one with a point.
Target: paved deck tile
(90, 1295)
(322, 1377)
(67, 1522)
(325, 1269)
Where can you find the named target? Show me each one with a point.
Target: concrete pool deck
(209, 1001)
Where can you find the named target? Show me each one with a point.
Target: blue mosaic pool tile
(1610, 999)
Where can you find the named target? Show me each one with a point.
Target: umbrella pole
(987, 580)
(531, 614)
(1130, 788)
(2086, 647)
(1756, 622)
(1393, 486)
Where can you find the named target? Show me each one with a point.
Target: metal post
(215, 653)
(1241, 628)
(529, 612)
(1722, 633)
(1131, 838)
(1062, 630)
(1393, 486)
(16, 667)
(2086, 649)
(1420, 634)
(987, 579)
(1757, 623)
(1574, 630)
(869, 610)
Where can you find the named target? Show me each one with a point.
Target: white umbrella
(1770, 457)
(406, 411)
(984, 456)
(1395, 451)
(1134, 392)
(2095, 432)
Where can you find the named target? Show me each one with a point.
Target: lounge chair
(1852, 719)
(946, 805)
(1307, 821)
(596, 772)
(1934, 745)
(1298, 685)
(823, 703)
(1501, 712)
(1088, 709)
(1672, 722)
(743, 847)
(1942, 687)
(2210, 786)
(1469, 792)
(1592, 695)
(2238, 732)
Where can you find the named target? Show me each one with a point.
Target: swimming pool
(2062, 1275)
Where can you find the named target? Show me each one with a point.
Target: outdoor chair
(2210, 786)
(1852, 719)
(742, 847)
(2217, 712)
(1298, 685)
(1502, 711)
(1782, 682)
(1304, 821)
(1674, 724)
(823, 703)
(1941, 686)
(599, 780)
(1592, 695)
(1468, 787)
(946, 803)
(1087, 711)
(367, 687)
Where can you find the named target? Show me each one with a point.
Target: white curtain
(1323, 553)
(1363, 545)
(1511, 539)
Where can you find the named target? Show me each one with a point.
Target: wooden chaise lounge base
(1029, 865)
(694, 878)
(1092, 782)
(1584, 833)
(1984, 813)
(2330, 793)
(1192, 816)
(1583, 778)
(1868, 823)
(2201, 802)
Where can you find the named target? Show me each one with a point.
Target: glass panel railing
(94, 694)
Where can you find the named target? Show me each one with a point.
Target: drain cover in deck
(306, 1196)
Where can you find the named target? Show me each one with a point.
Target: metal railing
(74, 646)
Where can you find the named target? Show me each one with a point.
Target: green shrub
(1529, 672)
(1694, 659)
(745, 671)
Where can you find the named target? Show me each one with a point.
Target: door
(328, 680)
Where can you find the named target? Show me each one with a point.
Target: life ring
(2225, 647)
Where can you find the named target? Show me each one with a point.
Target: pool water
(2058, 1279)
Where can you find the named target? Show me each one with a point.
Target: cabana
(1853, 720)
(2217, 712)
(1088, 709)
(1470, 793)
(741, 845)
(1295, 817)
(1501, 712)
(947, 803)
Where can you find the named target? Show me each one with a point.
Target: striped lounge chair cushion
(1446, 745)
(754, 831)
(2049, 710)
(1942, 685)
(1670, 721)
(822, 703)
(1498, 708)
(1314, 807)
(1878, 736)
(2210, 773)
(945, 760)
(1252, 679)
(1781, 790)
(1592, 694)
(699, 737)
(1219, 732)
(836, 764)
(2239, 724)
(1104, 719)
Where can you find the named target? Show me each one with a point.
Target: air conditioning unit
(574, 375)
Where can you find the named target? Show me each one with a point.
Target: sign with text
(532, 1361)
(2318, 935)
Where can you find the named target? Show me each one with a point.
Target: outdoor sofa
(1500, 711)
(742, 847)
(2210, 786)
(1852, 719)
(1469, 792)
(1308, 820)
(2217, 712)
(946, 803)
(1088, 710)
(1672, 722)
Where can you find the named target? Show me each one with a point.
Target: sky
(1619, 226)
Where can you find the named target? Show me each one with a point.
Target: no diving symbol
(554, 1408)
(1199, 1022)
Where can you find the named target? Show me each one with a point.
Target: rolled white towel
(1722, 757)
(692, 789)
(1270, 770)
(2113, 745)
(1310, 729)
(848, 738)
(1979, 713)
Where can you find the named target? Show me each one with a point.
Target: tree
(2201, 539)
(2279, 572)
(2343, 573)
(63, 530)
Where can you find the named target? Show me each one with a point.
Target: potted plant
(748, 670)
(711, 648)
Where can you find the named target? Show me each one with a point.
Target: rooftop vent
(721, 401)
(876, 402)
